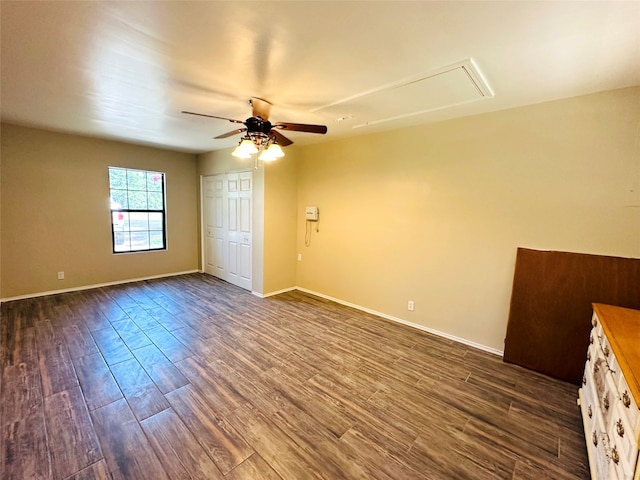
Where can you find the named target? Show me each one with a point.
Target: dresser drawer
(589, 400)
(629, 407)
(605, 390)
(601, 452)
(621, 457)
(624, 437)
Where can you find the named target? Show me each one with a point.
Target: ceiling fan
(261, 134)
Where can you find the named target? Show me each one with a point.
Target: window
(137, 210)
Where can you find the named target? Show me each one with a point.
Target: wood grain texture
(131, 334)
(179, 451)
(79, 340)
(126, 450)
(222, 442)
(551, 304)
(98, 386)
(74, 445)
(254, 468)
(21, 392)
(97, 471)
(163, 373)
(141, 393)
(113, 349)
(25, 451)
(190, 377)
(622, 326)
(56, 369)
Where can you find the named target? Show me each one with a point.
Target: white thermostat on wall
(311, 213)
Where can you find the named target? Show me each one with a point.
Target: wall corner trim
(276, 292)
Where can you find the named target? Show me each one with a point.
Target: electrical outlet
(410, 305)
(299, 257)
(60, 275)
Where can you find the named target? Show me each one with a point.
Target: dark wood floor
(190, 377)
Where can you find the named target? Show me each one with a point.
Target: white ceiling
(125, 70)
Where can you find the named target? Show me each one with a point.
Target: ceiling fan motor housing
(258, 129)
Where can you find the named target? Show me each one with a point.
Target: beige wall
(432, 214)
(274, 216)
(281, 182)
(221, 161)
(435, 213)
(55, 215)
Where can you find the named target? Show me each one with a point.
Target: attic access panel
(442, 88)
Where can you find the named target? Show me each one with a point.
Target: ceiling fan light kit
(245, 148)
(272, 152)
(261, 135)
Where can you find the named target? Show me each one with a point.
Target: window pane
(154, 181)
(139, 221)
(125, 222)
(137, 200)
(155, 221)
(117, 178)
(118, 221)
(156, 239)
(121, 242)
(140, 240)
(119, 199)
(136, 180)
(155, 200)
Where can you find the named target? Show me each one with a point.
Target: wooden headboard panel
(550, 314)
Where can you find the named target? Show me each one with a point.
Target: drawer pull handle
(605, 350)
(594, 439)
(620, 428)
(614, 455)
(605, 402)
(590, 412)
(626, 400)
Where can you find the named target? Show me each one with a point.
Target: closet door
(227, 234)
(213, 229)
(239, 187)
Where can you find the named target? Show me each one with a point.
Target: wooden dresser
(610, 393)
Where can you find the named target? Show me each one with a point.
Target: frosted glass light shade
(265, 156)
(275, 150)
(245, 149)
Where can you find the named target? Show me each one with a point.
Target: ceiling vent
(438, 89)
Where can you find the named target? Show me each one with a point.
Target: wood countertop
(622, 326)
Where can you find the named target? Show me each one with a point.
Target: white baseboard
(409, 324)
(97, 285)
(271, 294)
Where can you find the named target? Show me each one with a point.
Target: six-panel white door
(227, 229)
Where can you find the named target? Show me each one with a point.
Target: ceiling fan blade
(281, 139)
(214, 116)
(231, 133)
(301, 127)
(261, 108)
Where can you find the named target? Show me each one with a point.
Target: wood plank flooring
(190, 377)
